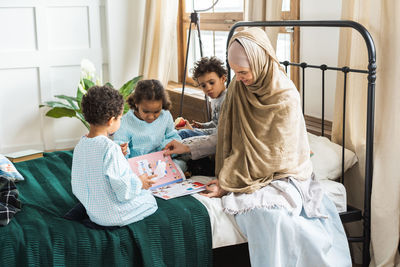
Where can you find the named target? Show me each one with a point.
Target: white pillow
(327, 158)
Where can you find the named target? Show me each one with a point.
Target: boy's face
(212, 84)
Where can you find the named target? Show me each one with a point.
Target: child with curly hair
(101, 177)
(210, 75)
(148, 126)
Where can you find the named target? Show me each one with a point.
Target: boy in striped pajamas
(101, 177)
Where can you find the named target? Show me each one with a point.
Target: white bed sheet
(225, 231)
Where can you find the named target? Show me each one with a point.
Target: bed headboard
(352, 214)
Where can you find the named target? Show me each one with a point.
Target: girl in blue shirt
(148, 126)
(101, 177)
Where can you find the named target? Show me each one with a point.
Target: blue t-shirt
(144, 137)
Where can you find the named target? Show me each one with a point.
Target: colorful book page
(157, 163)
(183, 188)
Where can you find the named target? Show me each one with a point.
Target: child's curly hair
(101, 103)
(149, 90)
(208, 64)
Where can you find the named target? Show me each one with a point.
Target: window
(287, 47)
(214, 28)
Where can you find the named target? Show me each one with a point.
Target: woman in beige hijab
(263, 167)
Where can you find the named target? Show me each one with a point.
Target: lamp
(194, 19)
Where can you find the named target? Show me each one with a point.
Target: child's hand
(179, 122)
(186, 126)
(146, 180)
(176, 147)
(196, 124)
(124, 148)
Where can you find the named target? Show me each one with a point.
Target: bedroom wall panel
(68, 27)
(43, 43)
(63, 81)
(21, 37)
(20, 109)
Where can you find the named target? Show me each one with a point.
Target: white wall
(319, 46)
(125, 20)
(42, 44)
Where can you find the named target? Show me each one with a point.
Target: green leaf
(71, 100)
(88, 83)
(129, 87)
(126, 108)
(109, 85)
(65, 97)
(56, 104)
(80, 116)
(79, 95)
(59, 112)
(84, 122)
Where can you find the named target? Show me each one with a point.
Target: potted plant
(70, 106)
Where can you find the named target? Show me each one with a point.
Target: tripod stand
(194, 19)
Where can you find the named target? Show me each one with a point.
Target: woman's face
(149, 110)
(242, 74)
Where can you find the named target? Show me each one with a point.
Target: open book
(170, 181)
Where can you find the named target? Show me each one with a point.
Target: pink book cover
(157, 163)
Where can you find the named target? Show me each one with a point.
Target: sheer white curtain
(261, 10)
(141, 39)
(382, 20)
(159, 35)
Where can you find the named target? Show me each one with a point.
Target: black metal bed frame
(352, 214)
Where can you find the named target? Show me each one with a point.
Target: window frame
(223, 21)
(293, 14)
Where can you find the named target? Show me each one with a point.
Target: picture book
(183, 188)
(170, 181)
(166, 171)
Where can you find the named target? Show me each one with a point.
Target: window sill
(193, 102)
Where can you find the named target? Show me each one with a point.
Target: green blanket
(178, 234)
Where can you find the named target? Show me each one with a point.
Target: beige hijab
(261, 130)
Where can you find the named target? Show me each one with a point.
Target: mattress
(225, 231)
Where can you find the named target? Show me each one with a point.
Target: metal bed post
(323, 69)
(303, 66)
(352, 214)
(345, 71)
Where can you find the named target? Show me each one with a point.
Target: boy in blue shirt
(101, 177)
(210, 75)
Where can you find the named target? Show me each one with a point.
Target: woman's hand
(124, 148)
(176, 147)
(214, 189)
(146, 180)
(196, 124)
(186, 126)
